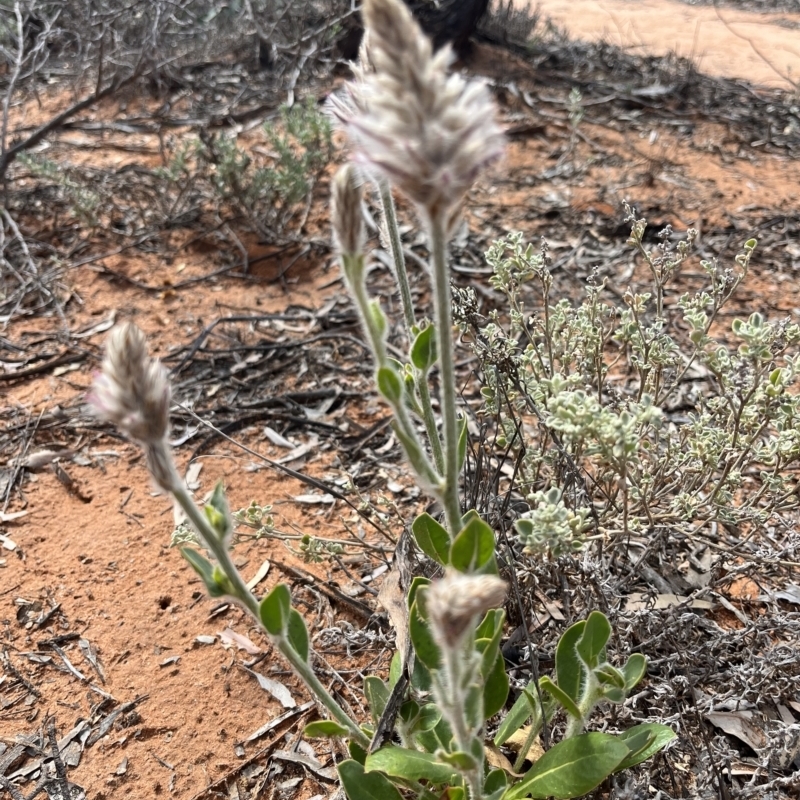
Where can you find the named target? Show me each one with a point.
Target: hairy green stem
(353, 269)
(533, 732)
(589, 697)
(447, 375)
(430, 421)
(401, 273)
(219, 550)
(453, 685)
(392, 230)
(419, 460)
(305, 671)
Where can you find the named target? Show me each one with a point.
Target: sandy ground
(759, 47)
(95, 566)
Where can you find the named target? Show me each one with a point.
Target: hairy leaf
(432, 538)
(571, 768)
(411, 765)
(362, 785)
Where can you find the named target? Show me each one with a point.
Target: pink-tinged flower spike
(133, 392)
(430, 133)
(351, 101)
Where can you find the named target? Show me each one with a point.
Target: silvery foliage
(666, 417)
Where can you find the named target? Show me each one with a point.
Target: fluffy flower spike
(428, 132)
(133, 392)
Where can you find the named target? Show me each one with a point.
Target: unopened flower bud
(456, 600)
(348, 222)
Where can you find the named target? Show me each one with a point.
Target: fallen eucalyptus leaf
(259, 576)
(230, 638)
(277, 439)
(314, 499)
(746, 726)
(275, 688)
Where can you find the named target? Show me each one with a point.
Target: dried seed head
(454, 601)
(348, 222)
(428, 132)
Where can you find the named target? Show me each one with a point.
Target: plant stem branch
(307, 674)
(453, 685)
(219, 550)
(447, 377)
(390, 217)
(401, 273)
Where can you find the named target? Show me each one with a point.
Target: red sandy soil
(106, 563)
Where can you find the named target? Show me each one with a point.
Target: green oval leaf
(362, 785)
(473, 548)
(417, 583)
(496, 779)
(425, 647)
(423, 350)
(412, 765)
(409, 711)
(571, 768)
(390, 384)
(492, 621)
(357, 752)
(325, 729)
(491, 649)
(659, 736)
(201, 565)
(274, 610)
(462, 761)
(519, 714)
(428, 719)
(420, 678)
(377, 695)
(395, 669)
(569, 669)
(634, 670)
(613, 694)
(432, 538)
(607, 674)
(568, 704)
(453, 793)
(297, 634)
(595, 636)
(495, 688)
(637, 742)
